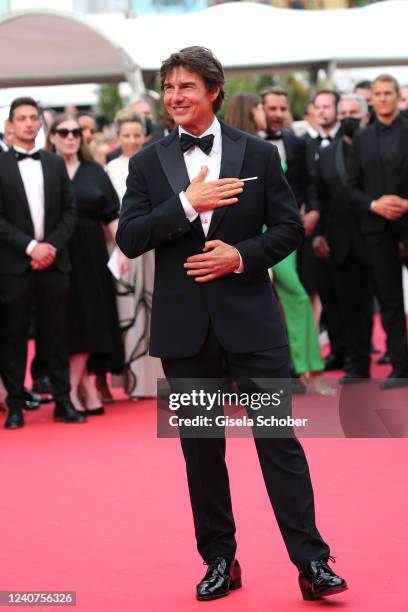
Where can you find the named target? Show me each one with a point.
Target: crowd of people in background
(65, 283)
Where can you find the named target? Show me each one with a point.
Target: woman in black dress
(94, 334)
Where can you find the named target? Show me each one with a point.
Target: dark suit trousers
(283, 463)
(384, 255)
(330, 314)
(355, 299)
(46, 291)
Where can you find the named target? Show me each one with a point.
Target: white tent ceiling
(45, 48)
(50, 48)
(250, 36)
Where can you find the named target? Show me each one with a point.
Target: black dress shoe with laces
(221, 577)
(15, 420)
(318, 580)
(65, 413)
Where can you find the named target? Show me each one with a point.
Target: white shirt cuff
(31, 245)
(189, 211)
(240, 268)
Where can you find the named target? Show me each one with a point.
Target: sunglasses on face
(63, 132)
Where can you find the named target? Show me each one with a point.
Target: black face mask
(349, 126)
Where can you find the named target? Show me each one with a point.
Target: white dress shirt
(33, 180)
(195, 159)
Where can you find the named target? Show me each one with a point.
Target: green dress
(303, 340)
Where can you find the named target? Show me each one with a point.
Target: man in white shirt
(37, 218)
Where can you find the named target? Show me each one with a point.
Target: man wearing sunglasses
(37, 218)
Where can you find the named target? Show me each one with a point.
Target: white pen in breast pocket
(252, 178)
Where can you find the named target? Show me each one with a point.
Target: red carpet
(102, 509)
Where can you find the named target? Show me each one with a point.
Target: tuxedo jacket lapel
(172, 162)
(47, 184)
(19, 187)
(233, 151)
(174, 167)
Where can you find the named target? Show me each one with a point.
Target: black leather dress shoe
(65, 413)
(398, 378)
(354, 376)
(334, 362)
(15, 420)
(317, 580)
(221, 577)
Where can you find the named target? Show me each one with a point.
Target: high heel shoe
(97, 411)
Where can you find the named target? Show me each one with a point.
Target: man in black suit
(37, 217)
(213, 305)
(292, 151)
(379, 187)
(341, 243)
(315, 273)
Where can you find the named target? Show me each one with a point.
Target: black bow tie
(205, 143)
(20, 156)
(275, 136)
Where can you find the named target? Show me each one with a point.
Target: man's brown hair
(201, 61)
(276, 91)
(387, 78)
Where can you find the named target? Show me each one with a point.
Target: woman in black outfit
(94, 335)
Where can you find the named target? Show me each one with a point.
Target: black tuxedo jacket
(339, 221)
(297, 174)
(16, 227)
(366, 177)
(241, 307)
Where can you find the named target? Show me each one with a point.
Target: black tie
(205, 143)
(20, 156)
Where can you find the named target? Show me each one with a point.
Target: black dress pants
(283, 463)
(355, 299)
(384, 254)
(46, 291)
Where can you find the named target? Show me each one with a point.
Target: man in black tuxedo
(292, 151)
(315, 273)
(379, 187)
(37, 217)
(213, 305)
(341, 243)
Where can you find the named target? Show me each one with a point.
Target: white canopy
(246, 37)
(45, 47)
